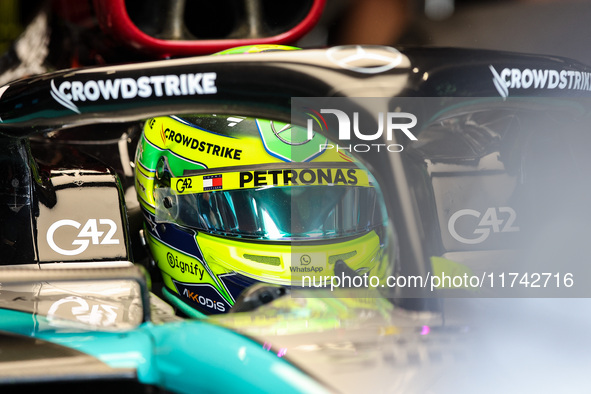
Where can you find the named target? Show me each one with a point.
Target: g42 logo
(497, 220)
(97, 315)
(88, 234)
(182, 184)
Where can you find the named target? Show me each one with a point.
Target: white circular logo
(365, 60)
(293, 138)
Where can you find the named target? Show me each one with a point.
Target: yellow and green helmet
(231, 201)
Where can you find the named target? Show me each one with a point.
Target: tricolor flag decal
(212, 182)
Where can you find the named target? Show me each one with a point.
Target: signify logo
(388, 124)
(529, 78)
(69, 92)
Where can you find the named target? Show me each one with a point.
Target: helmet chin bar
(258, 295)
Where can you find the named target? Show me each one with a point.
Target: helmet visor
(275, 213)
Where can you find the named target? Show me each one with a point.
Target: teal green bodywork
(186, 356)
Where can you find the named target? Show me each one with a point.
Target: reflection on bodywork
(102, 305)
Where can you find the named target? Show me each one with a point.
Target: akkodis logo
(388, 123)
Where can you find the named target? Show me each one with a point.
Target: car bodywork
(474, 144)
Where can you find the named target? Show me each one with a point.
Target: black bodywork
(47, 182)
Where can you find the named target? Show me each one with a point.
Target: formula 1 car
(493, 181)
(476, 120)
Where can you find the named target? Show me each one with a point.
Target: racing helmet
(233, 201)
